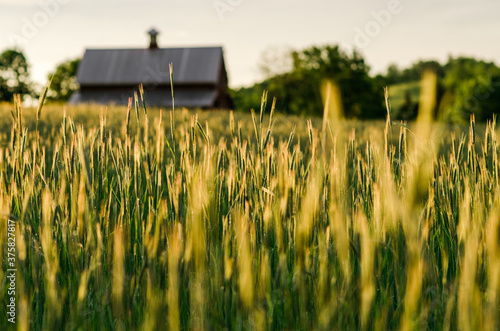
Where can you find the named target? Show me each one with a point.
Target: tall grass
(160, 226)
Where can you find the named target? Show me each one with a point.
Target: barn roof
(115, 67)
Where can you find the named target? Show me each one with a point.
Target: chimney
(152, 34)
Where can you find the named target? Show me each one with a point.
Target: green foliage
(473, 87)
(409, 109)
(299, 90)
(396, 75)
(404, 100)
(64, 81)
(14, 75)
(465, 86)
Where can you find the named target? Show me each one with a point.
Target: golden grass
(208, 220)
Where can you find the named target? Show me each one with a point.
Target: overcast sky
(385, 31)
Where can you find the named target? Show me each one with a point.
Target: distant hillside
(398, 95)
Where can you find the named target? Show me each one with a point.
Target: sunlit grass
(130, 221)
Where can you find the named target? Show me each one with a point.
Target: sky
(384, 31)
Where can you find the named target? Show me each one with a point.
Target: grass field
(154, 220)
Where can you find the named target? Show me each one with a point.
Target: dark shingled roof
(191, 66)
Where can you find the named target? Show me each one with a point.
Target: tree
(298, 91)
(415, 72)
(409, 109)
(472, 87)
(361, 95)
(465, 86)
(14, 75)
(64, 81)
(394, 75)
(477, 95)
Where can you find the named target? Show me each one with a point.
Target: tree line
(15, 78)
(465, 85)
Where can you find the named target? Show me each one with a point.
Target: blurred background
(288, 48)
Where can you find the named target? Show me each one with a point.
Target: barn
(110, 76)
